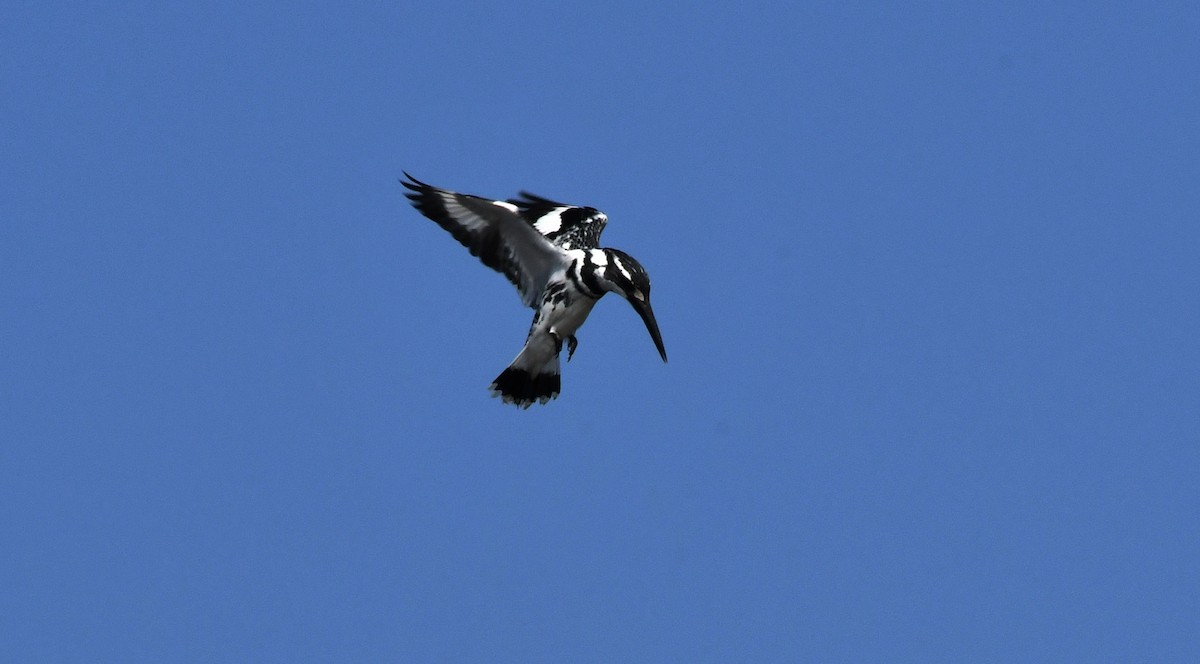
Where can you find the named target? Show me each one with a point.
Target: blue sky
(927, 276)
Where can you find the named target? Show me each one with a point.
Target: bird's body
(549, 251)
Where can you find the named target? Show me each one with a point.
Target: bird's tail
(521, 383)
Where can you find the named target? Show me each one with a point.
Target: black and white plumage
(550, 252)
(567, 226)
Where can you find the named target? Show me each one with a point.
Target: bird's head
(626, 277)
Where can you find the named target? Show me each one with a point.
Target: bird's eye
(639, 295)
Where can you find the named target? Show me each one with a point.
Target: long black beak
(647, 314)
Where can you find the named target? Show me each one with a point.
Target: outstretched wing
(567, 226)
(495, 232)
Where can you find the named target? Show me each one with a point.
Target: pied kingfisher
(549, 251)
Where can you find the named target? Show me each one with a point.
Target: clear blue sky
(927, 275)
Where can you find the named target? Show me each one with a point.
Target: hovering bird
(550, 252)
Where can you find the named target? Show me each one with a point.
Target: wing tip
(526, 199)
(413, 183)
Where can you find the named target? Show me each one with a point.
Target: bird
(550, 251)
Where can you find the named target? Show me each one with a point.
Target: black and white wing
(567, 226)
(494, 231)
